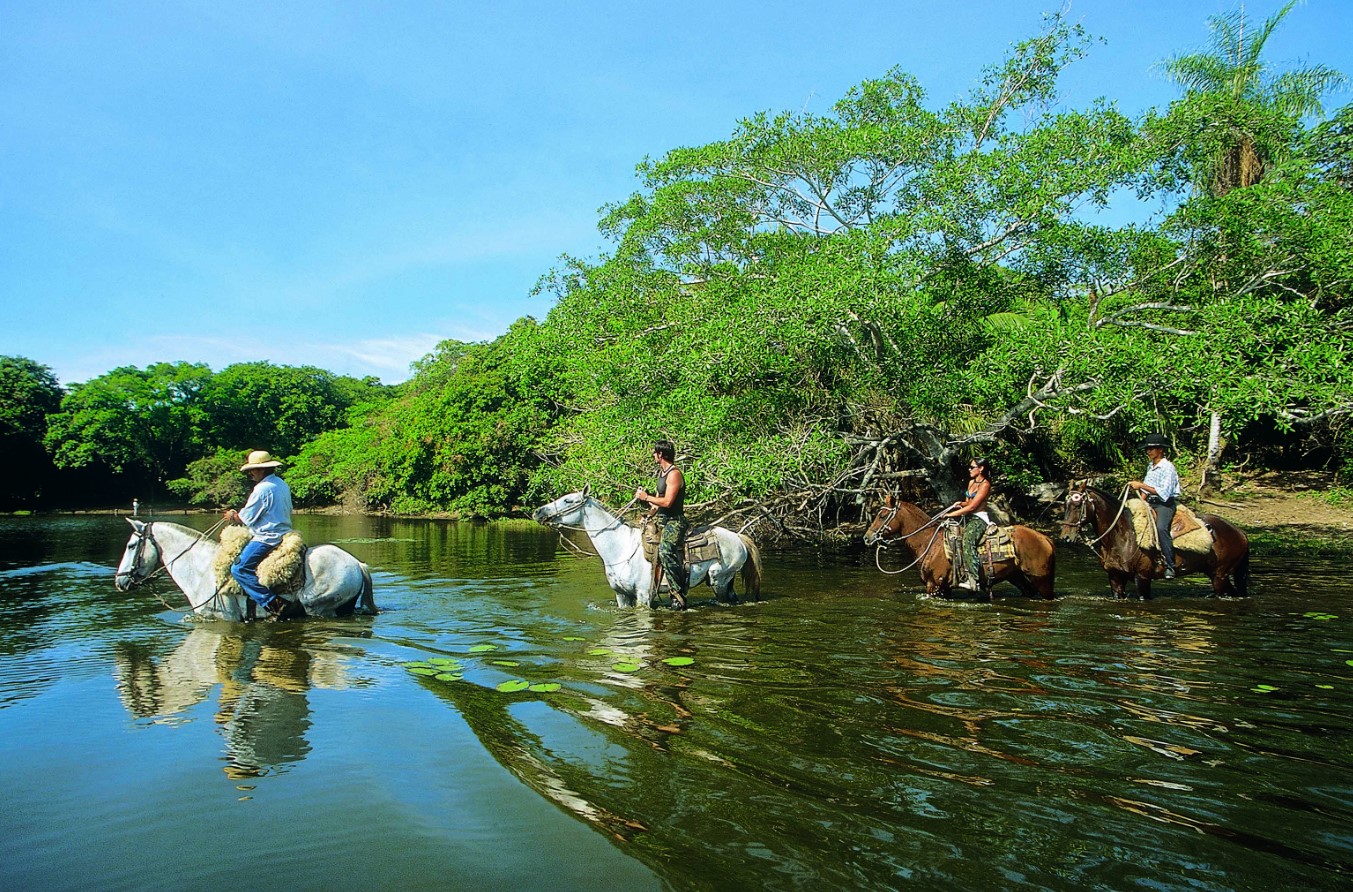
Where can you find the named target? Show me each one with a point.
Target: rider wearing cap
(1161, 488)
(267, 514)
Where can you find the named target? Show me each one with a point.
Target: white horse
(336, 583)
(620, 545)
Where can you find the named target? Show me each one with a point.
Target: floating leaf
(482, 648)
(598, 652)
(423, 670)
(1263, 688)
(449, 676)
(416, 663)
(545, 687)
(506, 663)
(443, 661)
(574, 638)
(1325, 687)
(626, 666)
(679, 661)
(511, 687)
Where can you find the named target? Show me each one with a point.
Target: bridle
(881, 543)
(1079, 501)
(137, 577)
(552, 520)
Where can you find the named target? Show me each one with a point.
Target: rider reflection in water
(670, 507)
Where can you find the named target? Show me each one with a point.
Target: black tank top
(678, 506)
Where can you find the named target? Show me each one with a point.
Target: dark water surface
(844, 732)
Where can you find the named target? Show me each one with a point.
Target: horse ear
(587, 489)
(136, 524)
(890, 501)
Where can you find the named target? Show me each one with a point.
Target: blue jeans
(245, 571)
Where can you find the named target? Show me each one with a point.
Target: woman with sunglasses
(973, 506)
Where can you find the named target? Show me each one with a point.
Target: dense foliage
(823, 307)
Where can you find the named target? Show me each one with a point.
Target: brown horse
(1031, 571)
(1089, 509)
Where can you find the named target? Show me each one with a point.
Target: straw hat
(260, 458)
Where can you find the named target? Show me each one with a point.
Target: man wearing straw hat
(1161, 490)
(267, 514)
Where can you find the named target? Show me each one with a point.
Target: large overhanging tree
(822, 303)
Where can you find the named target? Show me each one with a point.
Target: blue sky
(345, 184)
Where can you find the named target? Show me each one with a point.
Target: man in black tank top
(669, 504)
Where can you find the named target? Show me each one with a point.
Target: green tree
(145, 422)
(1244, 109)
(259, 405)
(28, 394)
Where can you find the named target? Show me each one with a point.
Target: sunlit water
(844, 732)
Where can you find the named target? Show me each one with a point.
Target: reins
(1109, 529)
(883, 545)
(925, 551)
(148, 534)
(577, 549)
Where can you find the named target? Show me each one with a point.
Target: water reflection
(262, 675)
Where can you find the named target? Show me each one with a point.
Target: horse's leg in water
(1118, 585)
(1144, 588)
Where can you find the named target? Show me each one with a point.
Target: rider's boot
(278, 608)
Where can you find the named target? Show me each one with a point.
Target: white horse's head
(563, 510)
(140, 558)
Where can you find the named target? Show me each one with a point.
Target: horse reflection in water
(264, 711)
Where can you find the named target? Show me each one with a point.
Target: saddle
(701, 545)
(282, 571)
(996, 546)
(1187, 532)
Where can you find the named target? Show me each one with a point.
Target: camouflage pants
(672, 553)
(973, 534)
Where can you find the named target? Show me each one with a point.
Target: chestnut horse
(1091, 512)
(1031, 571)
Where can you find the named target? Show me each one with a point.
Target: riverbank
(1285, 506)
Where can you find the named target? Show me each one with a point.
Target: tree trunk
(1214, 448)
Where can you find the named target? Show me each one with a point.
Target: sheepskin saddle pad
(1187, 532)
(282, 571)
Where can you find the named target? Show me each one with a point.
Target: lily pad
(679, 661)
(1263, 688)
(598, 652)
(574, 638)
(1325, 687)
(506, 663)
(511, 687)
(545, 687)
(482, 648)
(423, 670)
(448, 676)
(626, 666)
(443, 661)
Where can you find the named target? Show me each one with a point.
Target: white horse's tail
(751, 568)
(366, 602)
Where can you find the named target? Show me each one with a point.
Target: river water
(845, 732)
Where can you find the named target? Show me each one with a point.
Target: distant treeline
(822, 308)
